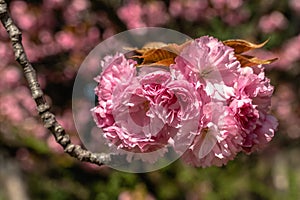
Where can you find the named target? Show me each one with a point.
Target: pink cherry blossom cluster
(205, 105)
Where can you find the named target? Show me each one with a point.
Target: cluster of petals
(144, 111)
(204, 106)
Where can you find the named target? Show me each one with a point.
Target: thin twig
(43, 107)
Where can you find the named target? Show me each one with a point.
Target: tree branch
(43, 107)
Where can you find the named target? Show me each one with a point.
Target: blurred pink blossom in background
(295, 5)
(274, 21)
(132, 14)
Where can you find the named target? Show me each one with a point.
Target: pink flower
(251, 103)
(145, 112)
(263, 133)
(246, 113)
(289, 53)
(236, 101)
(232, 4)
(219, 141)
(204, 106)
(65, 39)
(190, 10)
(10, 77)
(116, 71)
(295, 5)
(207, 60)
(210, 66)
(275, 21)
(155, 13)
(24, 17)
(255, 86)
(131, 14)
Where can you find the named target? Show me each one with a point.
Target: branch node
(70, 148)
(3, 7)
(64, 140)
(43, 108)
(102, 158)
(48, 119)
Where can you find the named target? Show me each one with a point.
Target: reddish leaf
(241, 46)
(249, 61)
(158, 53)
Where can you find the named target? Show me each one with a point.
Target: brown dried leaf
(175, 48)
(158, 53)
(149, 46)
(165, 63)
(249, 61)
(154, 45)
(155, 55)
(241, 46)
